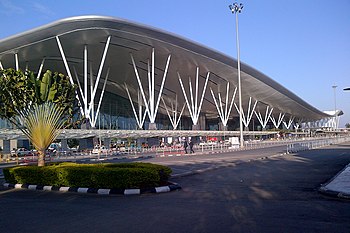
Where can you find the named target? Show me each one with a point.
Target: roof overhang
(129, 37)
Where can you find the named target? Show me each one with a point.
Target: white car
(102, 150)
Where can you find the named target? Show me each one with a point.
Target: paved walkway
(339, 186)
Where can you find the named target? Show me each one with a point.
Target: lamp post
(235, 9)
(335, 107)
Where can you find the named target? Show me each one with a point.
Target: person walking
(191, 146)
(185, 146)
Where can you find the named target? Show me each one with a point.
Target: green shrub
(119, 176)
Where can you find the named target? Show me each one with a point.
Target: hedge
(118, 176)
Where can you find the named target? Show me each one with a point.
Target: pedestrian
(191, 147)
(185, 146)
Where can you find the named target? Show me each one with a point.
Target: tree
(25, 101)
(16, 92)
(19, 89)
(347, 125)
(42, 123)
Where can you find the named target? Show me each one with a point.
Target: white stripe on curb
(47, 188)
(18, 186)
(82, 190)
(162, 189)
(131, 191)
(63, 189)
(103, 191)
(32, 186)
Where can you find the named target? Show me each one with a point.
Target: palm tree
(42, 124)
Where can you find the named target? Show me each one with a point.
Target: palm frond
(42, 123)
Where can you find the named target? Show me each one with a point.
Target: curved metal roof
(129, 37)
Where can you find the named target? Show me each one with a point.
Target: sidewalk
(339, 185)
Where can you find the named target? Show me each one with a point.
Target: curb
(328, 192)
(161, 189)
(332, 193)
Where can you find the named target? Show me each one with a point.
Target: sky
(303, 45)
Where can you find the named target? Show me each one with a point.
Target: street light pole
(335, 107)
(235, 9)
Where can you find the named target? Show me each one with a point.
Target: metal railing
(309, 145)
(292, 146)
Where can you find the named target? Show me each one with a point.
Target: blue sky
(303, 45)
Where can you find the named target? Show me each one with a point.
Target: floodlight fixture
(236, 8)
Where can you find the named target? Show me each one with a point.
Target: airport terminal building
(136, 77)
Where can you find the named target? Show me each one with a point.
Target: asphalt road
(277, 194)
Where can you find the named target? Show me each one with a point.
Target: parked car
(20, 152)
(97, 149)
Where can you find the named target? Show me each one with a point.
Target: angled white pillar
(86, 79)
(193, 108)
(152, 103)
(289, 123)
(275, 122)
(99, 72)
(298, 123)
(40, 68)
(91, 109)
(68, 72)
(224, 113)
(250, 111)
(263, 121)
(16, 60)
(64, 60)
(101, 97)
(140, 118)
(79, 86)
(173, 114)
(87, 108)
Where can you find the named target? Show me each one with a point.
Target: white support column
(64, 59)
(140, 85)
(142, 115)
(289, 123)
(139, 118)
(250, 111)
(224, 114)
(279, 121)
(151, 104)
(263, 121)
(85, 80)
(174, 118)
(16, 60)
(87, 107)
(101, 97)
(68, 72)
(297, 124)
(79, 86)
(40, 68)
(194, 109)
(100, 71)
(91, 108)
